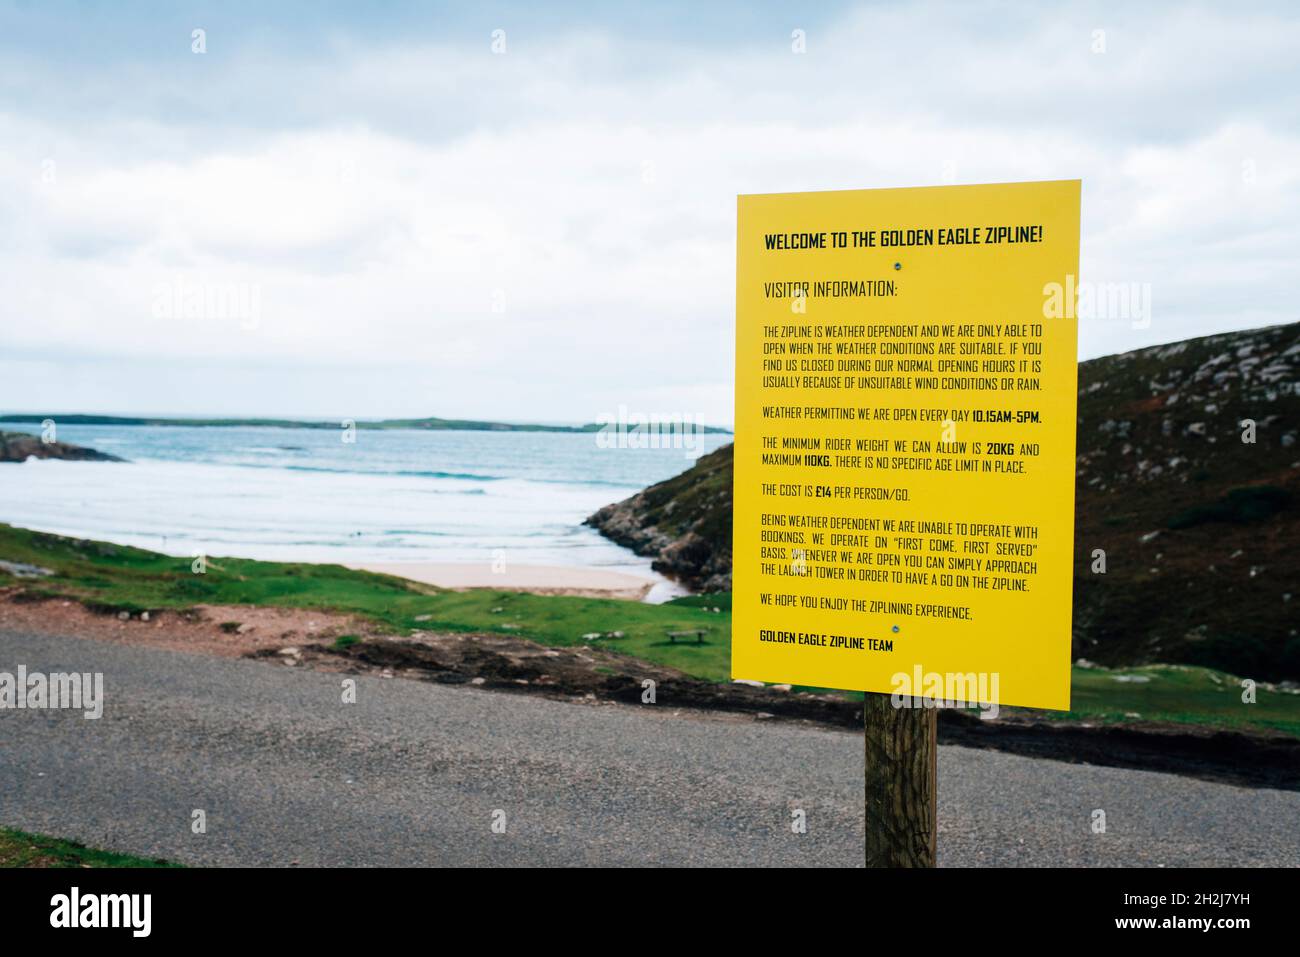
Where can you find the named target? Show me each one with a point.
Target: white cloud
(545, 235)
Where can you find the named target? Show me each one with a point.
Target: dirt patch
(1230, 757)
(227, 631)
(502, 662)
(510, 664)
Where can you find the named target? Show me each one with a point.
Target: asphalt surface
(414, 773)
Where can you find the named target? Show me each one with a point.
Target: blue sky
(422, 225)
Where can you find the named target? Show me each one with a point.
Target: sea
(308, 495)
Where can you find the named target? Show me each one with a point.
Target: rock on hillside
(20, 446)
(684, 523)
(1200, 528)
(1199, 524)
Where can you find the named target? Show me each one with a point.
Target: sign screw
(898, 265)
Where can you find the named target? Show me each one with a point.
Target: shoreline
(572, 580)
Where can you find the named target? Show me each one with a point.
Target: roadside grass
(20, 849)
(1183, 694)
(116, 578)
(1178, 694)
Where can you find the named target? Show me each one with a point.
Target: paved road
(412, 773)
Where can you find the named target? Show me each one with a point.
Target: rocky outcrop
(20, 446)
(684, 523)
(1188, 478)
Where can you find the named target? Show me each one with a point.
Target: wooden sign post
(901, 783)
(906, 393)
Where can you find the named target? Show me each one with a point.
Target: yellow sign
(905, 421)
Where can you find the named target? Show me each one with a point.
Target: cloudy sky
(422, 224)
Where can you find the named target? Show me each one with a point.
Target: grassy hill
(1200, 529)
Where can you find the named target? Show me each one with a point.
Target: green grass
(1183, 694)
(20, 849)
(116, 578)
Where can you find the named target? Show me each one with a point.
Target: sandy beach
(538, 579)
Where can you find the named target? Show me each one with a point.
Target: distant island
(430, 424)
